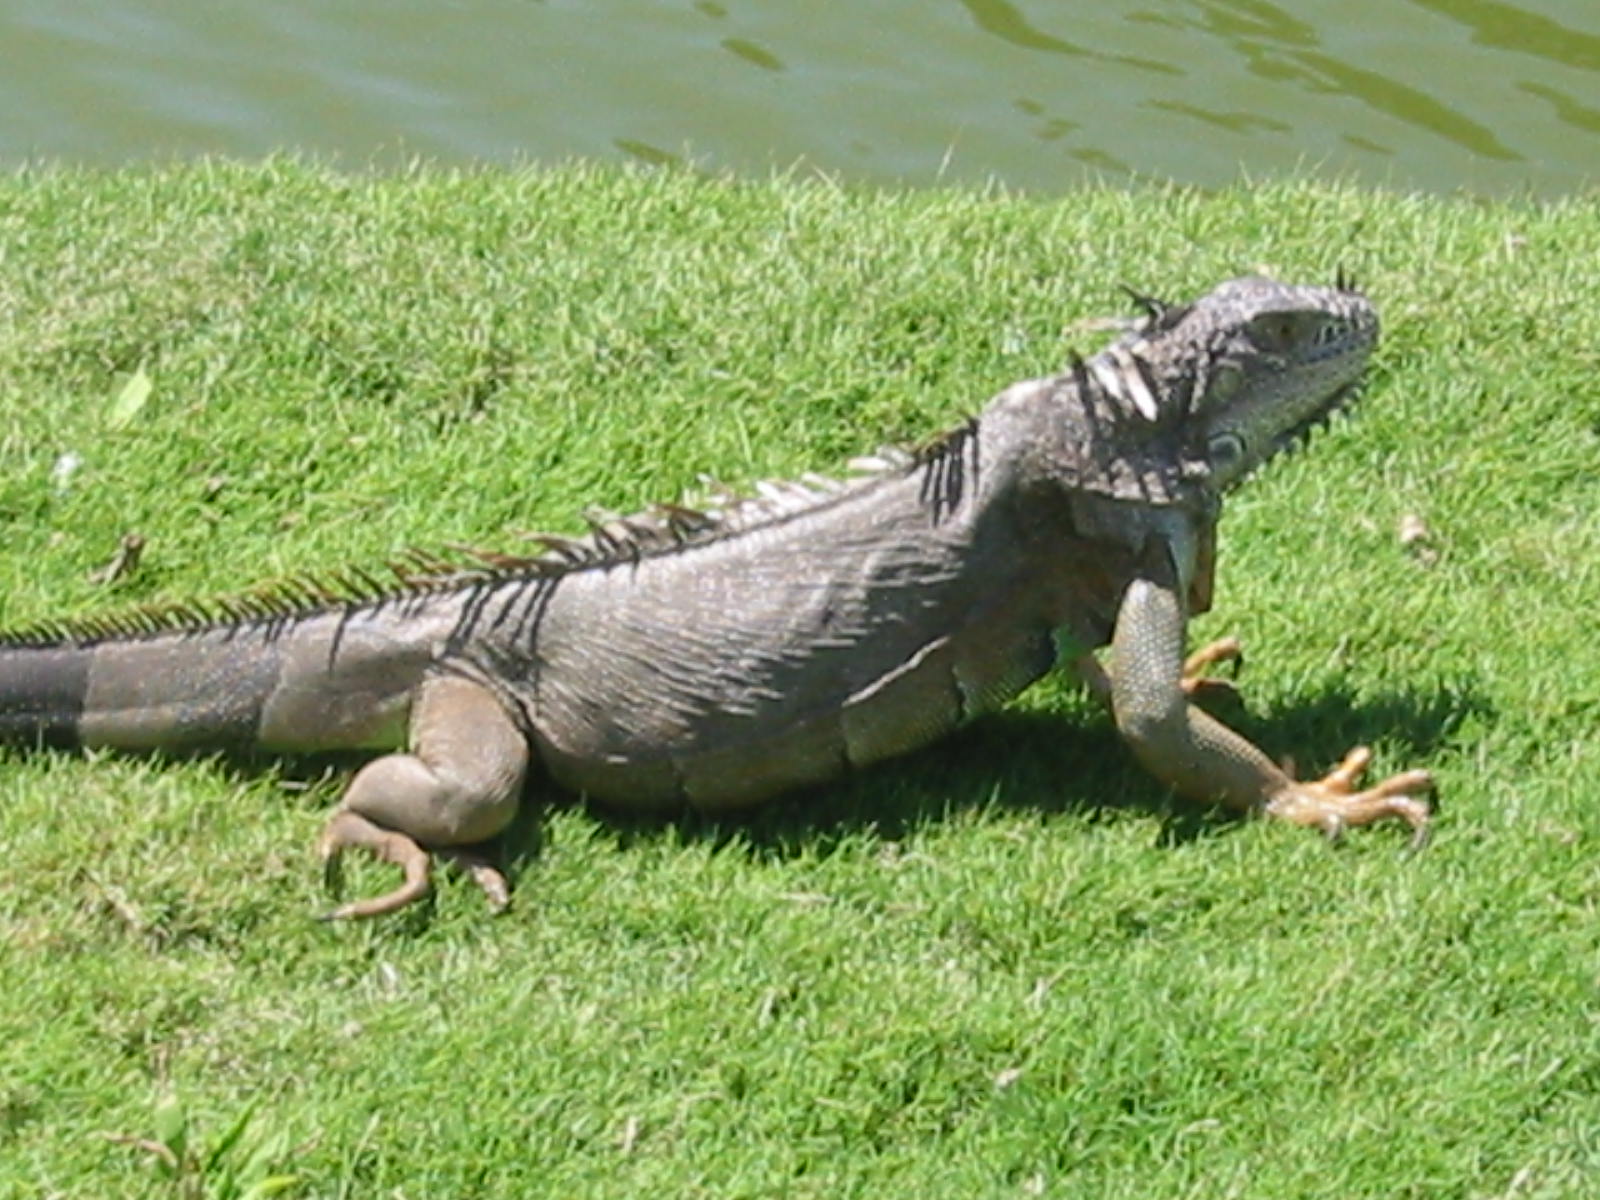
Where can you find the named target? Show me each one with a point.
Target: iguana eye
(1225, 450)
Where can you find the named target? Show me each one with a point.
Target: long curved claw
(1196, 684)
(347, 829)
(1332, 804)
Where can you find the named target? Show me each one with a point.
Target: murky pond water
(1438, 94)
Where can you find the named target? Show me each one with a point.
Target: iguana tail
(42, 690)
(171, 691)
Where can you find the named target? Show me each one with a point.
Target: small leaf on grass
(272, 1185)
(123, 563)
(171, 1126)
(130, 398)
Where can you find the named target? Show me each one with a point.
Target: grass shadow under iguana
(1055, 763)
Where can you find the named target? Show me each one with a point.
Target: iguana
(715, 657)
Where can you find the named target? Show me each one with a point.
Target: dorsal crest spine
(949, 464)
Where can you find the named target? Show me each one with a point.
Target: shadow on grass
(1044, 763)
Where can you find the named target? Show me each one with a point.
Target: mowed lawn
(1009, 966)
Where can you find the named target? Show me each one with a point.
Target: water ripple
(1495, 95)
(1510, 27)
(1004, 21)
(1579, 116)
(753, 54)
(1395, 99)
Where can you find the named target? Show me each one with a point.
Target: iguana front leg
(458, 786)
(1198, 756)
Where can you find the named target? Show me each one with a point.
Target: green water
(1436, 94)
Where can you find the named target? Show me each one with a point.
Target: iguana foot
(484, 872)
(1196, 684)
(347, 829)
(1332, 804)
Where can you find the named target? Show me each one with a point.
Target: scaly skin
(716, 659)
(1199, 757)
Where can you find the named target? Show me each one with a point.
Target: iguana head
(1246, 370)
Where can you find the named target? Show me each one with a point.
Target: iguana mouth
(1339, 403)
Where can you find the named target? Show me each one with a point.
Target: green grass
(1007, 967)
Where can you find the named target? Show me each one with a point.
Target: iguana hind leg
(1193, 753)
(458, 786)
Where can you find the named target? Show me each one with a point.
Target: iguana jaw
(1280, 361)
